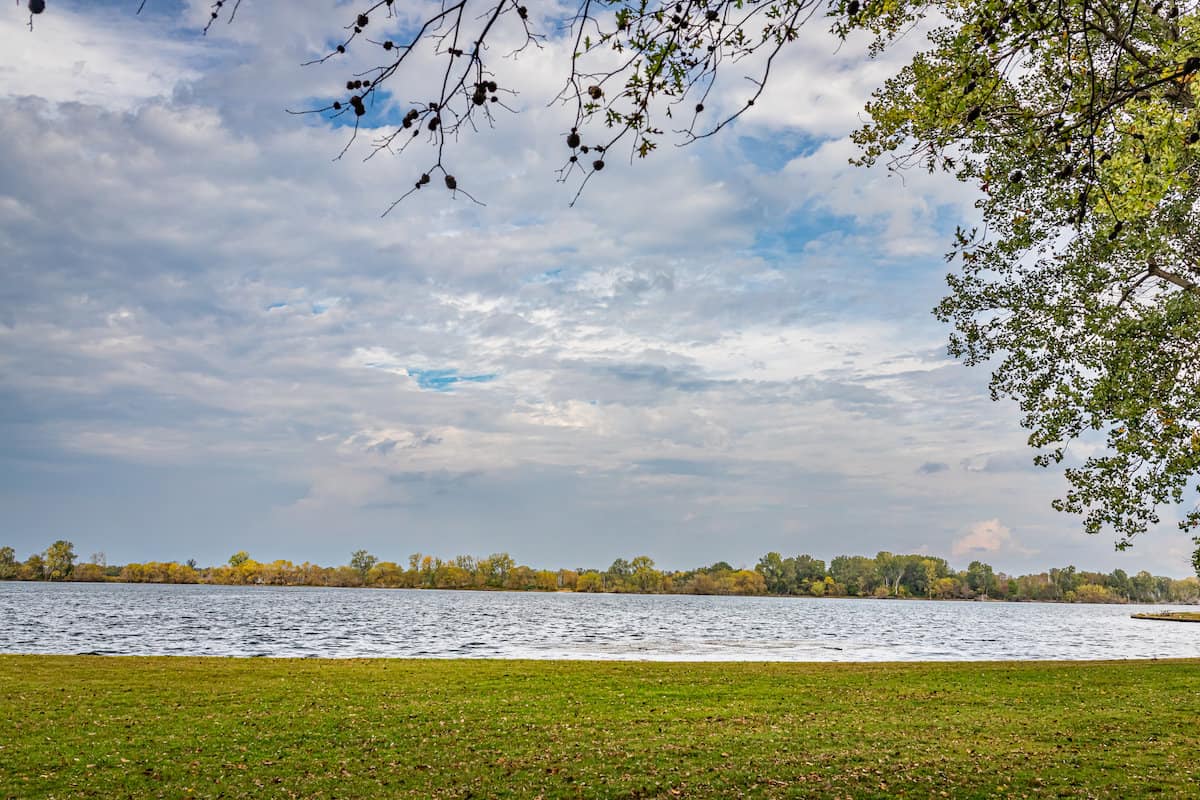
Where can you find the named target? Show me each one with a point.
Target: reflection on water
(140, 619)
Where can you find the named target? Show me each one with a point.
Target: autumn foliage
(884, 575)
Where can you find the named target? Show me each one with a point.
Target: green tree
(59, 560)
(929, 570)
(1064, 580)
(617, 575)
(495, 569)
(239, 558)
(644, 577)
(1078, 122)
(8, 563)
(1094, 593)
(891, 569)
(775, 576)
(915, 578)
(806, 570)
(590, 581)
(34, 568)
(1118, 581)
(1146, 589)
(856, 573)
(362, 561)
(981, 578)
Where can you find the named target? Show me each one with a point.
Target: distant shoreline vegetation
(886, 575)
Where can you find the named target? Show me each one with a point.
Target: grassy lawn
(184, 727)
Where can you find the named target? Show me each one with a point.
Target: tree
(8, 563)
(239, 558)
(944, 588)
(590, 581)
(645, 578)
(856, 573)
(34, 568)
(617, 574)
(891, 569)
(89, 572)
(362, 561)
(495, 568)
(981, 578)
(59, 560)
(1094, 593)
(1064, 580)
(807, 570)
(774, 574)
(929, 571)
(1078, 122)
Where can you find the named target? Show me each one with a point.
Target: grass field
(192, 727)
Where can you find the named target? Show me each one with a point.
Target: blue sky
(210, 341)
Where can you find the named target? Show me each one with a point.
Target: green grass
(197, 727)
(1171, 616)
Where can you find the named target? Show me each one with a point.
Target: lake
(146, 619)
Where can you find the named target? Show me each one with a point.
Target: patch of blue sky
(274, 306)
(946, 218)
(444, 380)
(381, 111)
(803, 226)
(773, 154)
(156, 8)
(811, 223)
(385, 25)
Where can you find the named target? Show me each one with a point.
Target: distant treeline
(885, 575)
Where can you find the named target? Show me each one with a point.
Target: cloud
(90, 58)
(988, 538)
(736, 333)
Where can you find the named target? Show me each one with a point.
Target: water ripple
(304, 622)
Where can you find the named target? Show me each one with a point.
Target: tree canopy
(1076, 119)
(1078, 122)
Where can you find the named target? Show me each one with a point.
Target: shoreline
(915, 664)
(504, 590)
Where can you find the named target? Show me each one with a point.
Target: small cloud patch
(932, 468)
(988, 538)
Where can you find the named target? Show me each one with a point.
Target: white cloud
(988, 538)
(194, 285)
(112, 60)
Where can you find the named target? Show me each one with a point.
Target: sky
(211, 341)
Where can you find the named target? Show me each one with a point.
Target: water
(141, 619)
